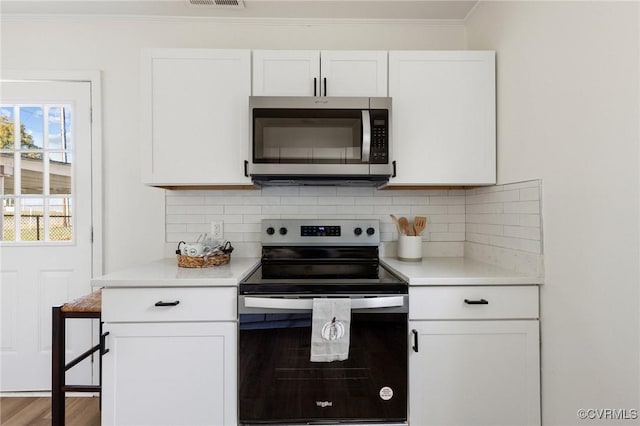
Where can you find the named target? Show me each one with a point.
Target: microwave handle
(366, 136)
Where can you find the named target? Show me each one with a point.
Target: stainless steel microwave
(328, 140)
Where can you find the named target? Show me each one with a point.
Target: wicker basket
(203, 262)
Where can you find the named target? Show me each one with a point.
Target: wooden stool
(88, 306)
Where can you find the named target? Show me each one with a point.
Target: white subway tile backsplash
(184, 200)
(299, 200)
(456, 209)
(528, 233)
(185, 218)
(358, 192)
(410, 200)
(374, 200)
(527, 194)
(316, 191)
(530, 207)
(506, 217)
(260, 200)
(530, 220)
(284, 209)
(288, 191)
(231, 209)
(336, 201)
(447, 201)
(199, 227)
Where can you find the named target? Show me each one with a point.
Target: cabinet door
(353, 73)
(443, 117)
(475, 373)
(170, 374)
(286, 72)
(195, 116)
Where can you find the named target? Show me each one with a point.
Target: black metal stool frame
(59, 365)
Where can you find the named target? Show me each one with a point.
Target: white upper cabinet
(285, 72)
(195, 119)
(319, 73)
(444, 117)
(349, 73)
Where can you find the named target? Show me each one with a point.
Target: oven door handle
(363, 303)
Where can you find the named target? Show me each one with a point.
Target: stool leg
(57, 366)
(100, 360)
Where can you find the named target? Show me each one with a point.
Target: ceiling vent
(236, 4)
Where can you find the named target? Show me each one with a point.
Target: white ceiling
(322, 9)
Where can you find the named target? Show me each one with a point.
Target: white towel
(330, 330)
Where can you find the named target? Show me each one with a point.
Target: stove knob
(371, 231)
(283, 231)
(357, 231)
(270, 230)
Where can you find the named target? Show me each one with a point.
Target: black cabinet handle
(476, 302)
(325, 85)
(315, 86)
(415, 340)
(161, 303)
(246, 168)
(393, 163)
(103, 343)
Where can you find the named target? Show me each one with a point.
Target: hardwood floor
(30, 411)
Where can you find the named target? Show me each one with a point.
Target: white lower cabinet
(168, 368)
(476, 368)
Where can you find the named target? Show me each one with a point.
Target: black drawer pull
(415, 340)
(103, 343)
(476, 302)
(161, 303)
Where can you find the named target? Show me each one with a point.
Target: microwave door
(366, 136)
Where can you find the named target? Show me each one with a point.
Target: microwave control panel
(379, 136)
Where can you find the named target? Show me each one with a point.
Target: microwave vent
(236, 4)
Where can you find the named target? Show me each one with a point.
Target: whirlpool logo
(324, 404)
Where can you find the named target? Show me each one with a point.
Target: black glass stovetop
(317, 270)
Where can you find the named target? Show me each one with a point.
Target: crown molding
(231, 20)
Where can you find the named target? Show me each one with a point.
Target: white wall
(568, 101)
(134, 214)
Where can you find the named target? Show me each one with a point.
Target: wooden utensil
(395, 220)
(419, 223)
(404, 224)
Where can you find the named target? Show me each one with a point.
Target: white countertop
(430, 271)
(456, 271)
(166, 273)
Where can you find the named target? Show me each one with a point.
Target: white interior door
(46, 247)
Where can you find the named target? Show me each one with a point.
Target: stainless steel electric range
(303, 260)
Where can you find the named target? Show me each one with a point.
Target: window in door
(36, 170)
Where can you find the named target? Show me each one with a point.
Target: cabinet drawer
(473, 302)
(159, 304)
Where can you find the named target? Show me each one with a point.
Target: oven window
(307, 136)
(278, 383)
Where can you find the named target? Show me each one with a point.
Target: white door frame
(94, 78)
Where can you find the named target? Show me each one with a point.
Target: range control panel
(320, 232)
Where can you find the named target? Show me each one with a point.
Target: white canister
(410, 248)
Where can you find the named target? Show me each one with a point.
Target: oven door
(278, 383)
